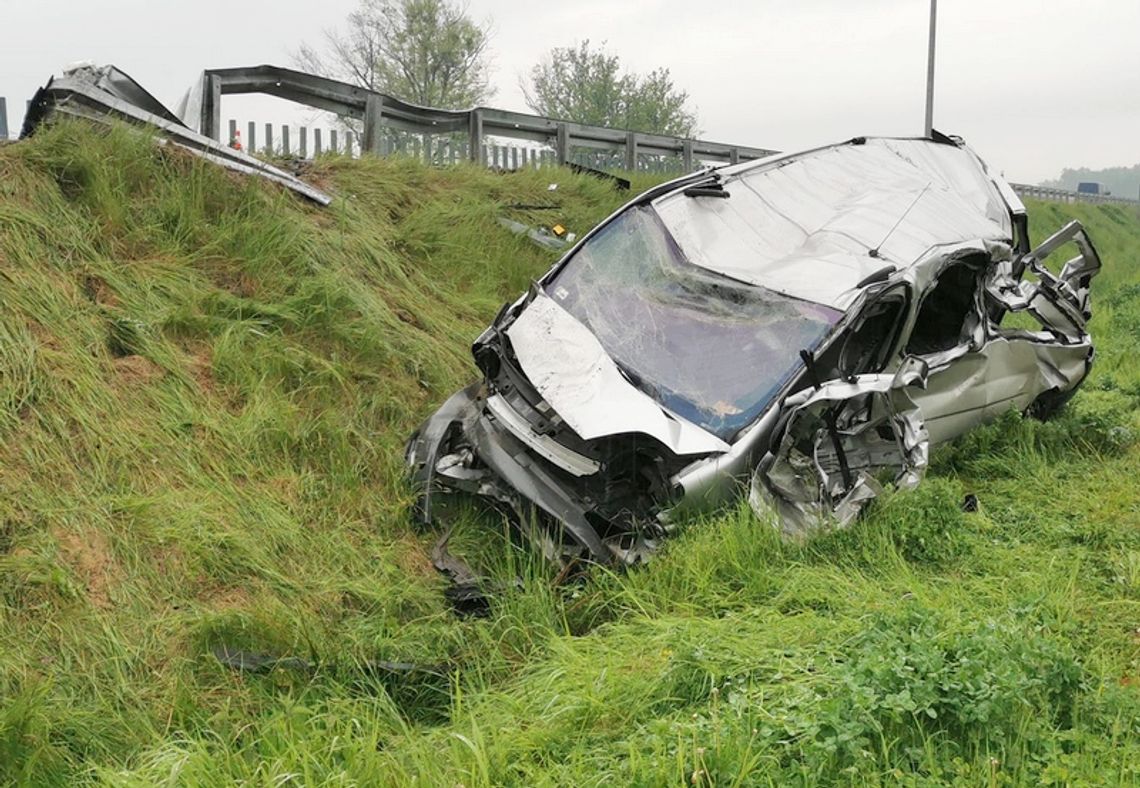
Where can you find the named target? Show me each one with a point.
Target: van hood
(568, 366)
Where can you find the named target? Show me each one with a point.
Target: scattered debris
(540, 235)
(621, 184)
(807, 334)
(256, 662)
(465, 592)
(469, 594)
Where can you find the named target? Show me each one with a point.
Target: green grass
(205, 385)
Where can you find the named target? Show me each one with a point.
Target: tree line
(431, 53)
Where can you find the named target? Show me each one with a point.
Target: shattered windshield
(709, 348)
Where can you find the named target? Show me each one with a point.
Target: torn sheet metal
(841, 444)
(1060, 302)
(988, 371)
(621, 184)
(106, 92)
(118, 83)
(803, 328)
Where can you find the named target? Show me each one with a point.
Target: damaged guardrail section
(201, 110)
(105, 92)
(802, 328)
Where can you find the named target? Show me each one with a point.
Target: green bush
(914, 680)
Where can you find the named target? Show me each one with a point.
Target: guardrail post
(371, 140)
(269, 138)
(285, 139)
(332, 141)
(562, 144)
(251, 140)
(475, 143)
(3, 119)
(564, 141)
(233, 132)
(212, 107)
(303, 142)
(631, 151)
(316, 142)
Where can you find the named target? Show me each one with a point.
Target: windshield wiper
(712, 190)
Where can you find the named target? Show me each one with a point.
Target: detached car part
(800, 328)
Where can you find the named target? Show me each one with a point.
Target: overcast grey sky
(1033, 85)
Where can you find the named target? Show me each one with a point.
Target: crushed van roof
(813, 225)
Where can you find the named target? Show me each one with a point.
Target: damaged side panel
(841, 443)
(840, 440)
(979, 386)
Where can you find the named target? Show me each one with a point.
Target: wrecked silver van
(798, 329)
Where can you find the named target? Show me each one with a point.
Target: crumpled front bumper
(462, 448)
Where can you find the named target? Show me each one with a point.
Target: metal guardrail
(501, 154)
(1064, 195)
(379, 111)
(480, 127)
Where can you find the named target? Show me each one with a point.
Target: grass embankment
(205, 384)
